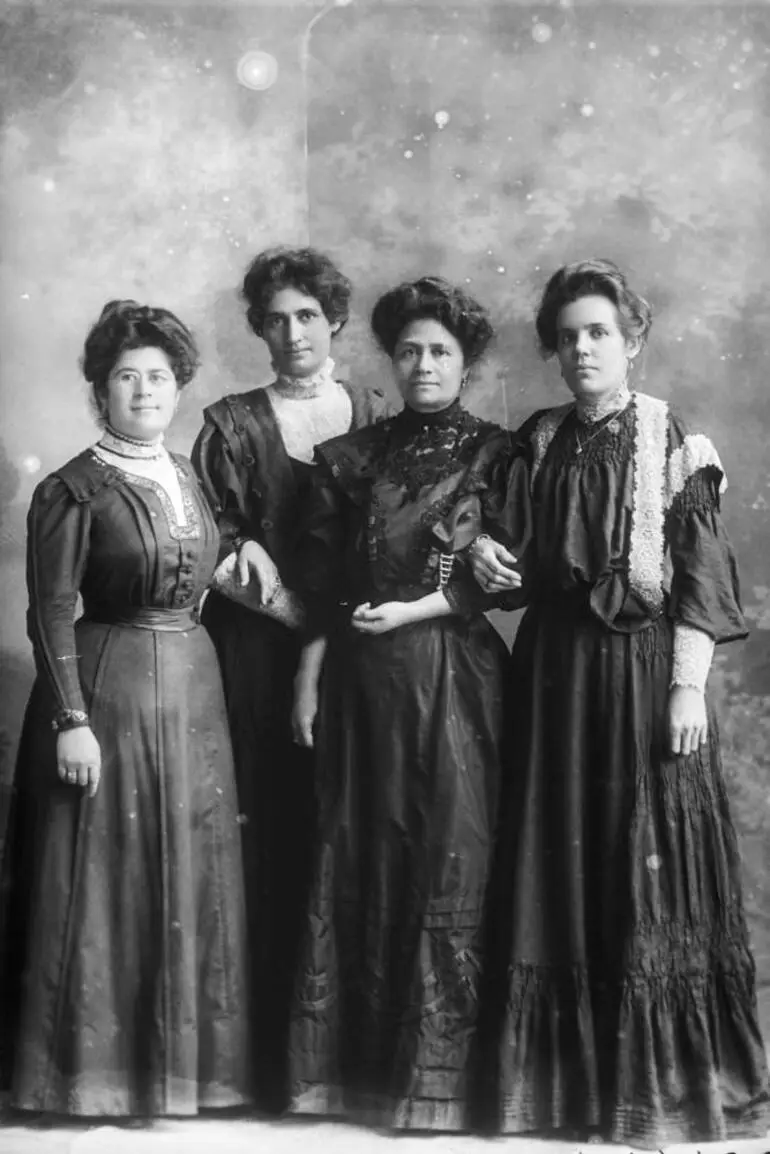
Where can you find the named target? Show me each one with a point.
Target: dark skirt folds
(258, 660)
(123, 976)
(408, 772)
(621, 987)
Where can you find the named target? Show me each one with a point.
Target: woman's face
(428, 364)
(592, 350)
(142, 394)
(297, 333)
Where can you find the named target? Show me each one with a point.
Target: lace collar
(304, 388)
(130, 447)
(589, 412)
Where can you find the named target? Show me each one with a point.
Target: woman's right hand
(493, 566)
(79, 758)
(254, 562)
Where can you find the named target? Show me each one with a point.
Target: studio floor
(205, 1136)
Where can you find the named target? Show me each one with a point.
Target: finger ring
(72, 775)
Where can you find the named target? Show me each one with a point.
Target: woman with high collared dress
(620, 980)
(123, 975)
(409, 726)
(254, 456)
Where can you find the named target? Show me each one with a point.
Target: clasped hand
(383, 618)
(255, 563)
(493, 566)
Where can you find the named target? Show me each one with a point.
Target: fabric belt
(159, 620)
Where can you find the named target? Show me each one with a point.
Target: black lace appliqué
(414, 455)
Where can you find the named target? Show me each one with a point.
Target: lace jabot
(310, 410)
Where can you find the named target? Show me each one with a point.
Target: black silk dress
(122, 944)
(620, 981)
(408, 777)
(260, 492)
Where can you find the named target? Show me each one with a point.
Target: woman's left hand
(687, 720)
(383, 619)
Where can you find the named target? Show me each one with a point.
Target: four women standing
(525, 907)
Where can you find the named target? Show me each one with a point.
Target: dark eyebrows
(276, 316)
(433, 345)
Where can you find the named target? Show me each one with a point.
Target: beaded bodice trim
(188, 530)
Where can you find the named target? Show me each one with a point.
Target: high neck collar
(123, 446)
(589, 412)
(303, 388)
(437, 419)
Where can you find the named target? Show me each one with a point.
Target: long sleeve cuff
(693, 651)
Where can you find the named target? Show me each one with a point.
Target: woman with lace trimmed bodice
(407, 736)
(620, 995)
(122, 945)
(254, 458)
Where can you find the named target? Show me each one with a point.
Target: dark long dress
(622, 982)
(260, 493)
(408, 767)
(123, 977)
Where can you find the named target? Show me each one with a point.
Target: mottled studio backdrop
(488, 142)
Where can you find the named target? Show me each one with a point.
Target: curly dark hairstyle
(305, 269)
(128, 325)
(590, 278)
(433, 298)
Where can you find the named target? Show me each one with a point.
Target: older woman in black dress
(622, 985)
(254, 456)
(123, 979)
(408, 732)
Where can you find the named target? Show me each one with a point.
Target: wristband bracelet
(475, 541)
(69, 719)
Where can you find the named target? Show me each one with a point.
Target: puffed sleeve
(705, 590)
(507, 504)
(504, 512)
(223, 484)
(323, 584)
(58, 528)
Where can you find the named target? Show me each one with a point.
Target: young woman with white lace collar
(254, 456)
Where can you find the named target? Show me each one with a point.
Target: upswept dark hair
(590, 278)
(128, 325)
(305, 269)
(433, 298)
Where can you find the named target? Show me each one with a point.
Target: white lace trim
(693, 651)
(302, 388)
(646, 570)
(695, 452)
(544, 432)
(159, 470)
(589, 412)
(308, 420)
